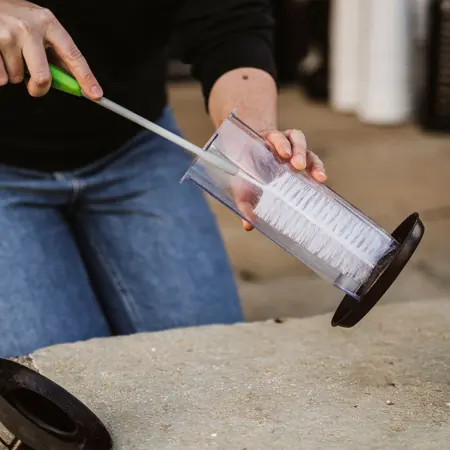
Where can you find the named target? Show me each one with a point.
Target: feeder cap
(350, 311)
(41, 415)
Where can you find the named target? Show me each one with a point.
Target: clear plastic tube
(303, 216)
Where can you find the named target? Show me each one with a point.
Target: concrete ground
(296, 385)
(387, 172)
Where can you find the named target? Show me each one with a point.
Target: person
(98, 238)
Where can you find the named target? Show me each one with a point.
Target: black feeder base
(41, 415)
(350, 311)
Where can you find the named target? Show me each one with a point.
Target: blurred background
(368, 82)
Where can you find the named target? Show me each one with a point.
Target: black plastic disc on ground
(408, 234)
(41, 415)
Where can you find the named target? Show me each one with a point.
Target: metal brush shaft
(68, 84)
(216, 161)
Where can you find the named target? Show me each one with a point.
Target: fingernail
(322, 173)
(96, 90)
(300, 160)
(288, 150)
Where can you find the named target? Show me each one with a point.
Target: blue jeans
(117, 247)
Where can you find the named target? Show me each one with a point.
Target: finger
(3, 73)
(316, 167)
(36, 59)
(298, 144)
(54, 59)
(69, 53)
(279, 142)
(12, 58)
(247, 225)
(247, 211)
(243, 195)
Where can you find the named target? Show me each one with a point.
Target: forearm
(252, 91)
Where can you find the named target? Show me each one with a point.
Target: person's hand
(26, 31)
(291, 146)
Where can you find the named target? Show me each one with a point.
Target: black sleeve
(216, 36)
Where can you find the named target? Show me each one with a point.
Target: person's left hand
(288, 145)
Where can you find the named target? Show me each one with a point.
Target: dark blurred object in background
(313, 68)
(435, 110)
(290, 37)
(301, 44)
(178, 71)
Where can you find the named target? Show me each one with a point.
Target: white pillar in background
(386, 91)
(344, 54)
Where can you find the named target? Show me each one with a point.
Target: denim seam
(118, 283)
(59, 176)
(77, 186)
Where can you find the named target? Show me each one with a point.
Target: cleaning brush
(293, 205)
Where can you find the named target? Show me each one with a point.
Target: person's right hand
(26, 31)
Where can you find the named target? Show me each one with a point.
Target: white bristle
(322, 225)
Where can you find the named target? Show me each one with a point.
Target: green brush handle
(64, 82)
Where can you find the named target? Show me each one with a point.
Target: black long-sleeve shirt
(125, 44)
